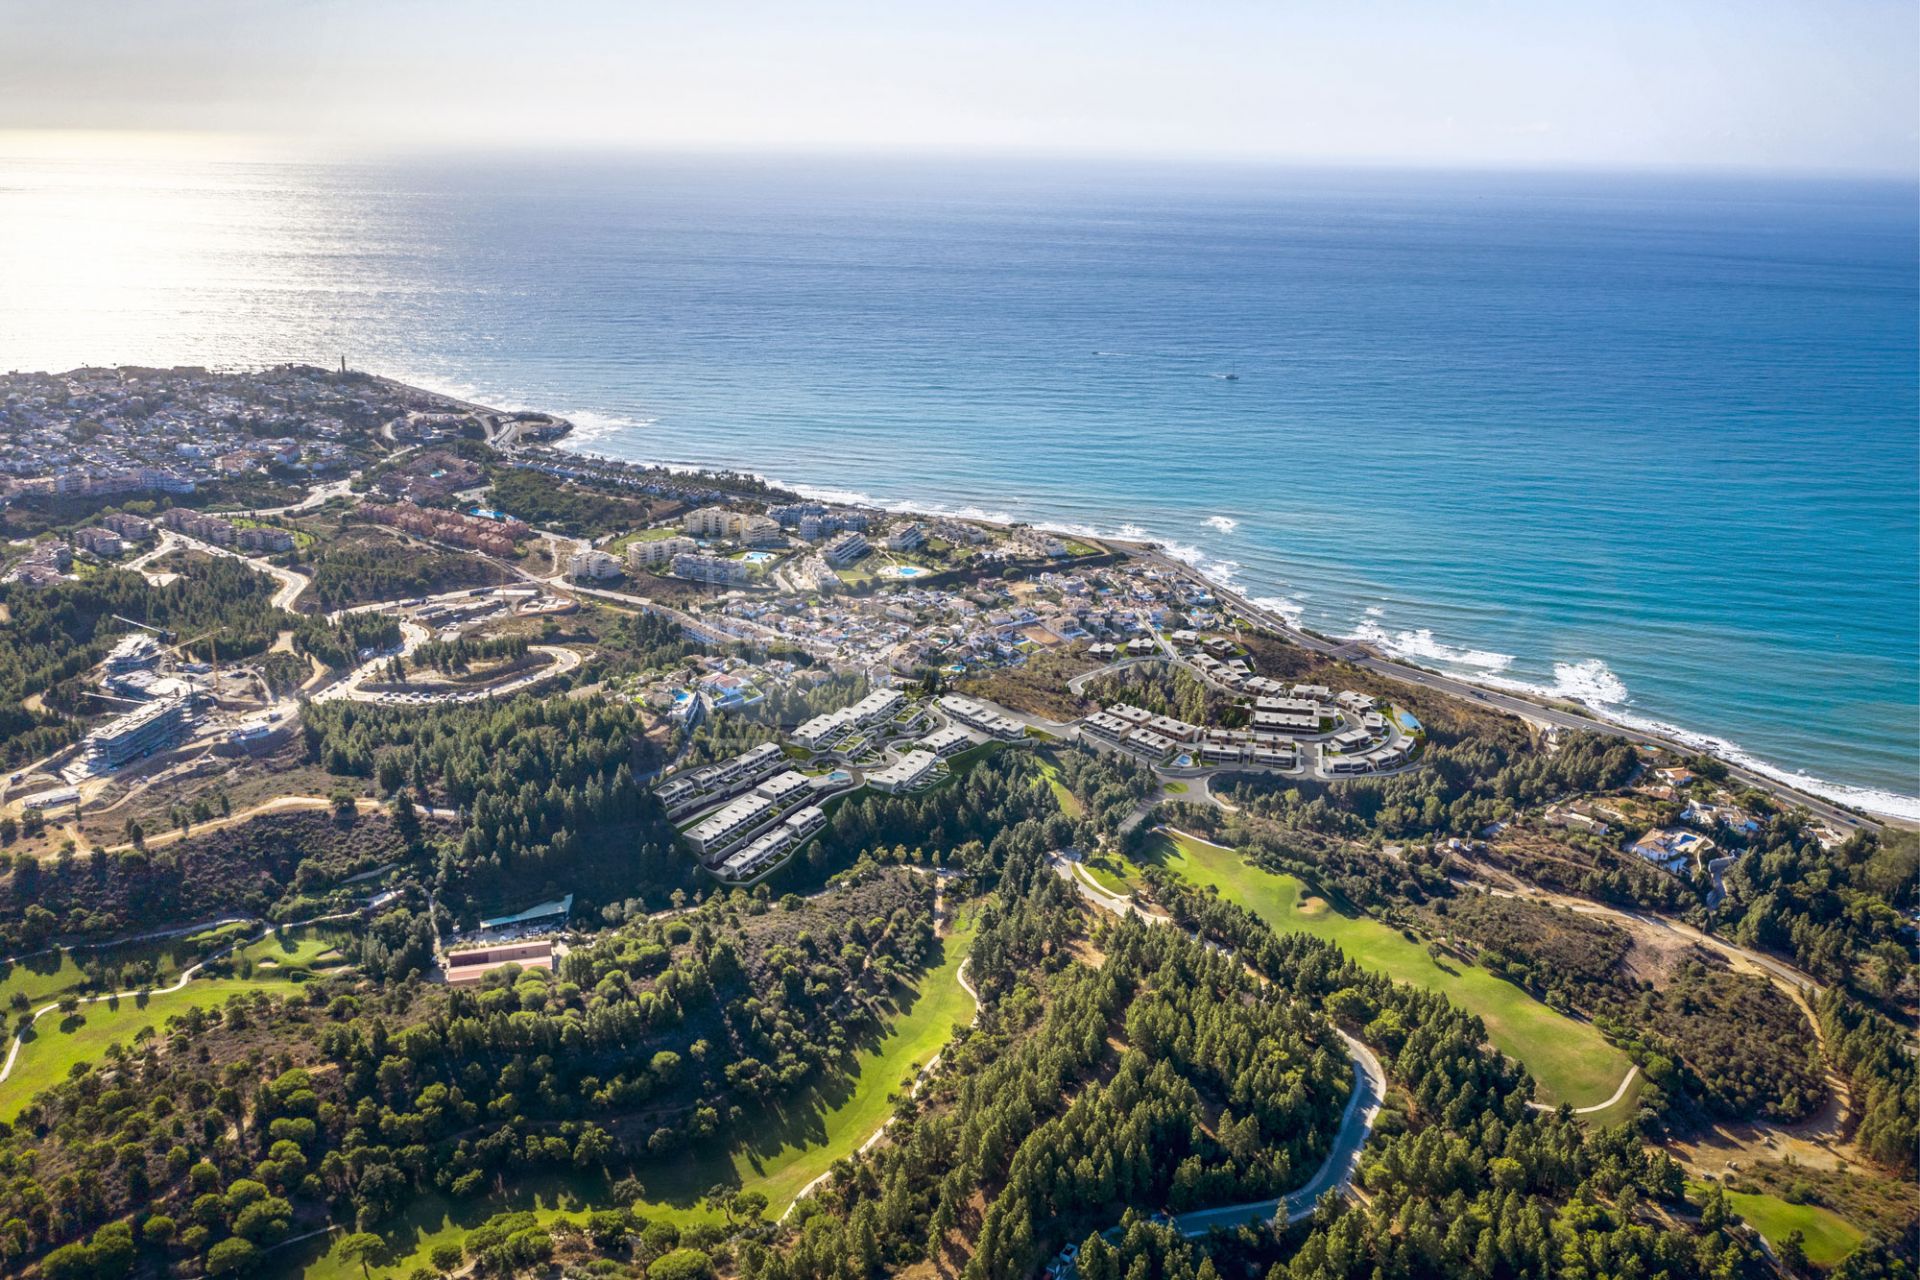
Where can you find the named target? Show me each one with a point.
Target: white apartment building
(596, 565)
(658, 551)
(909, 771)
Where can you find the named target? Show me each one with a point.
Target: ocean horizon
(1645, 442)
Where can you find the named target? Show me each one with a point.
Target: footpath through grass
(826, 1124)
(47, 974)
(1827, 1237)
(60, 1040)
(1569, 1059)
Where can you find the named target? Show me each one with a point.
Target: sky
(1772, 85)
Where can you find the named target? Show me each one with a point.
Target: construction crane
(163, 634)
(213, 651)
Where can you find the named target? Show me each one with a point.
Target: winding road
(1356, 1122)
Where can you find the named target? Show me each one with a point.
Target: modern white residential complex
(685, 792)
(946, 742)
(714, 569)
(593, 564)
(912, 769)
(845, 549)
(979, 716)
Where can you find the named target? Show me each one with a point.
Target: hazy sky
(1771, 84)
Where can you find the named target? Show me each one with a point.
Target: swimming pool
(902, 571)
(758, 557)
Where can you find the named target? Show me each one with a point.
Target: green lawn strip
(1622, 1111)
(1569, 1059)
(828, 1124)
(1069, 802)
(59, 1041)
(292, 952)
(47, 974)
(1828, 1237)
(1112, 871)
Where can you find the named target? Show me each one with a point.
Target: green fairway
(1569, 1059)
(1112, 871)
(1050, 770)
(47, 974)
(826, 1124)
(294, 954)
(59, 1040)
(1828, 1237)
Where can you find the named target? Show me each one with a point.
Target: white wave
(1593, 685)
(1291, 610)
(1375, 611)
(1225, 524)
(1590, 682)
(590, 427)
(1422, 644)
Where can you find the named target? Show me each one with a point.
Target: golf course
(1569, 1059)
(62, 1039)
(780, 1157)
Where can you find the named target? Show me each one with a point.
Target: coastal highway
(1842, 818)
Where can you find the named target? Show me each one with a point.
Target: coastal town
(571, 705)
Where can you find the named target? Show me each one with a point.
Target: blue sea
(1649, 442)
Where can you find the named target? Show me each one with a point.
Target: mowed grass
(1050, 770)
(59, 1040)
(45, 975)
(1112, 871)
(1827, 1237)
(826, 1124)
(293, 953)
(1569, 1059)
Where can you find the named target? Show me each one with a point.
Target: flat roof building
(139, 732)
(980, 716)
(784, 788)
(469, 966)
(728, 826)
(946, 741)
(909, 771)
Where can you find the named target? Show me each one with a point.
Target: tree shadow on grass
(785, 1128)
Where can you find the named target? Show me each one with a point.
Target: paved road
(1356, 1123)
(1335, 1173)
(1845, 819)
(292, 584)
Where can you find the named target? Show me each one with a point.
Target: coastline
(1845, 803)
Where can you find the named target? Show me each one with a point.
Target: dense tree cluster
(1874, 1054)
(339, 644)
(354, 570)
(1167, 690)
(547, 788)
(455, 656)
(1165, 1076)
(278, 864)
(246, 1119)
(1839, 913)
(1461, 786)
(547, 502)
(1109, 788)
